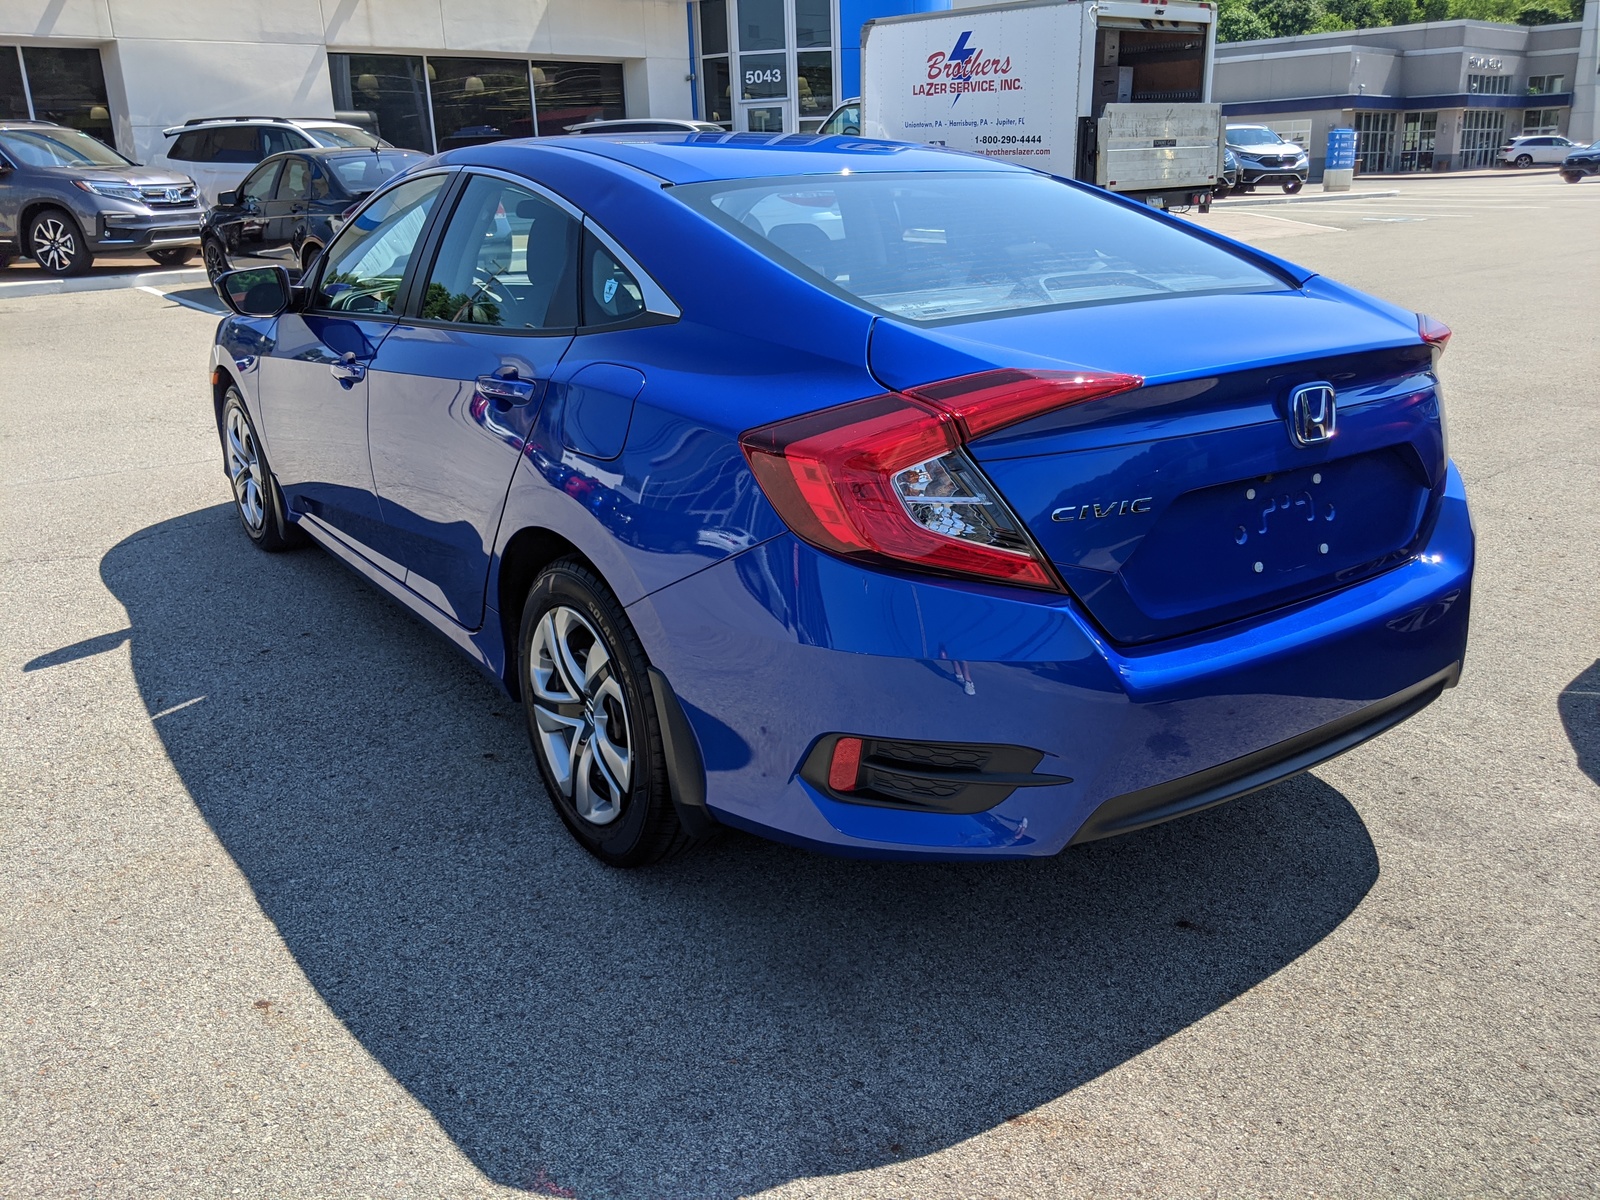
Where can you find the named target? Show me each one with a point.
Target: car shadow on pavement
(1579, 704)
(745, 1016)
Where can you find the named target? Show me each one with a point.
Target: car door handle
(348, 371)
(505, 392)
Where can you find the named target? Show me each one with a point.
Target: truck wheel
(1293, 186)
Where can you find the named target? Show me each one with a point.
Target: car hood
(138, 176)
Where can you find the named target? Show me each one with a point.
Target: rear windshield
(59, 148)
(949, 246)
(361, 173)
(341, 135)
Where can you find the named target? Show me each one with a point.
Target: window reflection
(13, 101)
(390, 90)
(69, 88)
(478, 100)
(569, 93)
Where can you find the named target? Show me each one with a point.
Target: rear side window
(188, 147)
(610, 292)
(938, 246)
(234, 144)
(508, 258)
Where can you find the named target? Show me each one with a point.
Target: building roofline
(1348, 34)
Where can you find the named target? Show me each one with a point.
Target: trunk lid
(1189, 502)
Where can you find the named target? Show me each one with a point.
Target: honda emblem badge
(1313, 413)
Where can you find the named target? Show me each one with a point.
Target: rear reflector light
(845, 769)
(1435, 333)
(886, 479)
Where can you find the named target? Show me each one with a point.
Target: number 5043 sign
(763, 78)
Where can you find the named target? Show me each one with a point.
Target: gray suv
(64, 196)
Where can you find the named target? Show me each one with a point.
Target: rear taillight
(1435, 333)
(887, 480)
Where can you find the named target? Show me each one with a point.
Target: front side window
(948, 246)
(367, 261)
(257, 189)
(508, 258)
(276, 141)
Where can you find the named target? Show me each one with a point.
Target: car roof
(297, 122)
(703, 157)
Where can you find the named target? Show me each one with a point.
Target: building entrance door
(1417, 136)
(768, 116)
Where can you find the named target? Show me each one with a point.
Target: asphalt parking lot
(286, 913)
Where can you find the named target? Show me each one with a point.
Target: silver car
(66, 196)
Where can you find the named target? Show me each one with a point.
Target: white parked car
(1548, 150)
(218, 152)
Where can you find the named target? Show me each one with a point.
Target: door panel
(314, 389)
(454, 393)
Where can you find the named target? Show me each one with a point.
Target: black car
(1581, 162)
(289, 206)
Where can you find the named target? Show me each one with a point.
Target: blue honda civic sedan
(872, 497)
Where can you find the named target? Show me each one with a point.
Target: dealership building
(430, 74)
(1437, 97)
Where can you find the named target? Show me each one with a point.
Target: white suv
(1546, 151)
(218, 152)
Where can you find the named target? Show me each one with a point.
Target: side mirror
(227, 199)
(256, 291)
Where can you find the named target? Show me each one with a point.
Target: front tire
(173, 256)
(1293, 186)
(592, 719)
(256, 497)
(1568, 176)
(215, 257)
(57, 244)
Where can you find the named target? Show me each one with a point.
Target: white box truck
(1113, 92)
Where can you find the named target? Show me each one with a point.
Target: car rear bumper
(773, 651)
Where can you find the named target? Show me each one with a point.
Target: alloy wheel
(244, 470)
(214, 257)
(55, 244)
(581, 714)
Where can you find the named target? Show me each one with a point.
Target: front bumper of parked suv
(114, 223)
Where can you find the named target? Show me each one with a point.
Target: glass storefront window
(69, 88)
(761, 25)
(813, 23)
(13, 100)
(763, 76)
(814, 82)
(713, 26)
(570, 93)
(480, 100)
(717, 90)
(391, 88)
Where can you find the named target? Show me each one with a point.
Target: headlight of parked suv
(117, 191)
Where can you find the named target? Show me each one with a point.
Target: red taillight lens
(885, 479)
(1435, 333)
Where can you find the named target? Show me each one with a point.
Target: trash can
(1341, 168)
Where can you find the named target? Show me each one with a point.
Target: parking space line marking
(167, 712)
(1244, 212)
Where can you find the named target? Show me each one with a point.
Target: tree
(1537, 12)
(1289, 18)
(1237, 21)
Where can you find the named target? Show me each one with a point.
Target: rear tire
(308, 255)
(256, 497)
(1524, 161)
(592, 719)
(57, 244)
(1293, 186)
(215, 256)
(173, 256)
